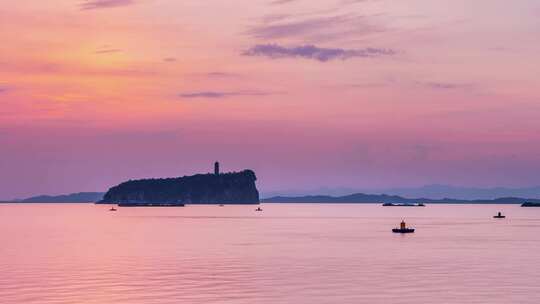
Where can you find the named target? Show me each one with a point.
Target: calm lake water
(286, 254)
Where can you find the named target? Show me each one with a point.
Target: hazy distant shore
(361, 198)
(356, 198)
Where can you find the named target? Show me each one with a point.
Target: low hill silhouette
(80, 197)
(383, 198)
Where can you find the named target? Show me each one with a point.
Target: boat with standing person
(403, 228)
(499, 215)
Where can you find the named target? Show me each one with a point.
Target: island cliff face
(225, 188)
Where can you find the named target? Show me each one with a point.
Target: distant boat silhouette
(403, 228)
(403, 205)
(112, 208)
(258, 209)
(530, 204)
(499, 215)
(221, 205)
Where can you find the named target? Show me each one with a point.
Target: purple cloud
(313, 52)
(223, 94)
(99, 4)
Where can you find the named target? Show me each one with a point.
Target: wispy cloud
(222, 75)
(314, 52)
(76, 69)
(432, 85)
(3, 89)
(217, 75)
(345, 2)
(342, 2)
(169, 59)
(315, 29)
(447, 85)
(365, 85)
(100, 4)
(223, 94)
(281, 1)
(108, 51)
(273, 18)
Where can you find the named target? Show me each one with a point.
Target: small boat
(221, 205)
(403, 205)
(258, 209)
(499, 215)
(403, 228)
(112, 209)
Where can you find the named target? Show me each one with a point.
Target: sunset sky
(308, 93)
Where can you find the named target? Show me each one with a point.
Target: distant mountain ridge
(436, 192)
(433, 191)
(80, 197)
(383, 198)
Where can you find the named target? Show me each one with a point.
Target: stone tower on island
(216, 168)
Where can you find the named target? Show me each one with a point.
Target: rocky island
(216, 188)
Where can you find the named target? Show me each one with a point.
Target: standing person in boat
(403, 228)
